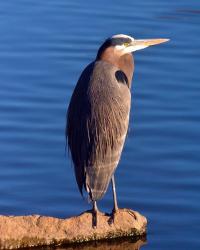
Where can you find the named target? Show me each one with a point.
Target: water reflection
(44, 45)
(115, 244)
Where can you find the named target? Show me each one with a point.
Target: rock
(35, 230)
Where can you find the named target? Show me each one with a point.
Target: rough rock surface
(35, 230)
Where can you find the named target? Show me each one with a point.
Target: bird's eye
(126, 44)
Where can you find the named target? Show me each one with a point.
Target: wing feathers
(97, 123)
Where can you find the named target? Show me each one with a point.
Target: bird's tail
(97, 182)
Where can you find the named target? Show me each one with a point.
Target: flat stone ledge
(35, 230)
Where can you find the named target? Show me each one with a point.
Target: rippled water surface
(44, 45)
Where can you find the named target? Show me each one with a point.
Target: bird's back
(97, 123)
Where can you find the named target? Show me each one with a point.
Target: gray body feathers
(97, 123)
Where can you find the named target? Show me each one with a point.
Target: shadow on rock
(115, 244)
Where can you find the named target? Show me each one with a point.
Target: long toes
(115, 210)
(111, 220)
(132, 213)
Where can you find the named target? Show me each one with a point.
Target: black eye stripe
(120, 40)
(112, 42)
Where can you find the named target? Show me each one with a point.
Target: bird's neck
(123, 62)
(126, 64)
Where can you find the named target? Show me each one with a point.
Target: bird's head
(123, 44)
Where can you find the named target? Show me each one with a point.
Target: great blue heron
(98, 115)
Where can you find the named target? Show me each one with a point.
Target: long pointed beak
(141, 44)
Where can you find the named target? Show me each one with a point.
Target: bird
(98, 114)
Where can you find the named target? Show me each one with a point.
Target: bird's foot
(113, 215)
(131, 212)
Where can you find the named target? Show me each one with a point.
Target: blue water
(44, 45)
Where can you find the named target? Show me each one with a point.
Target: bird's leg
(94, 213)
(115, 208)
